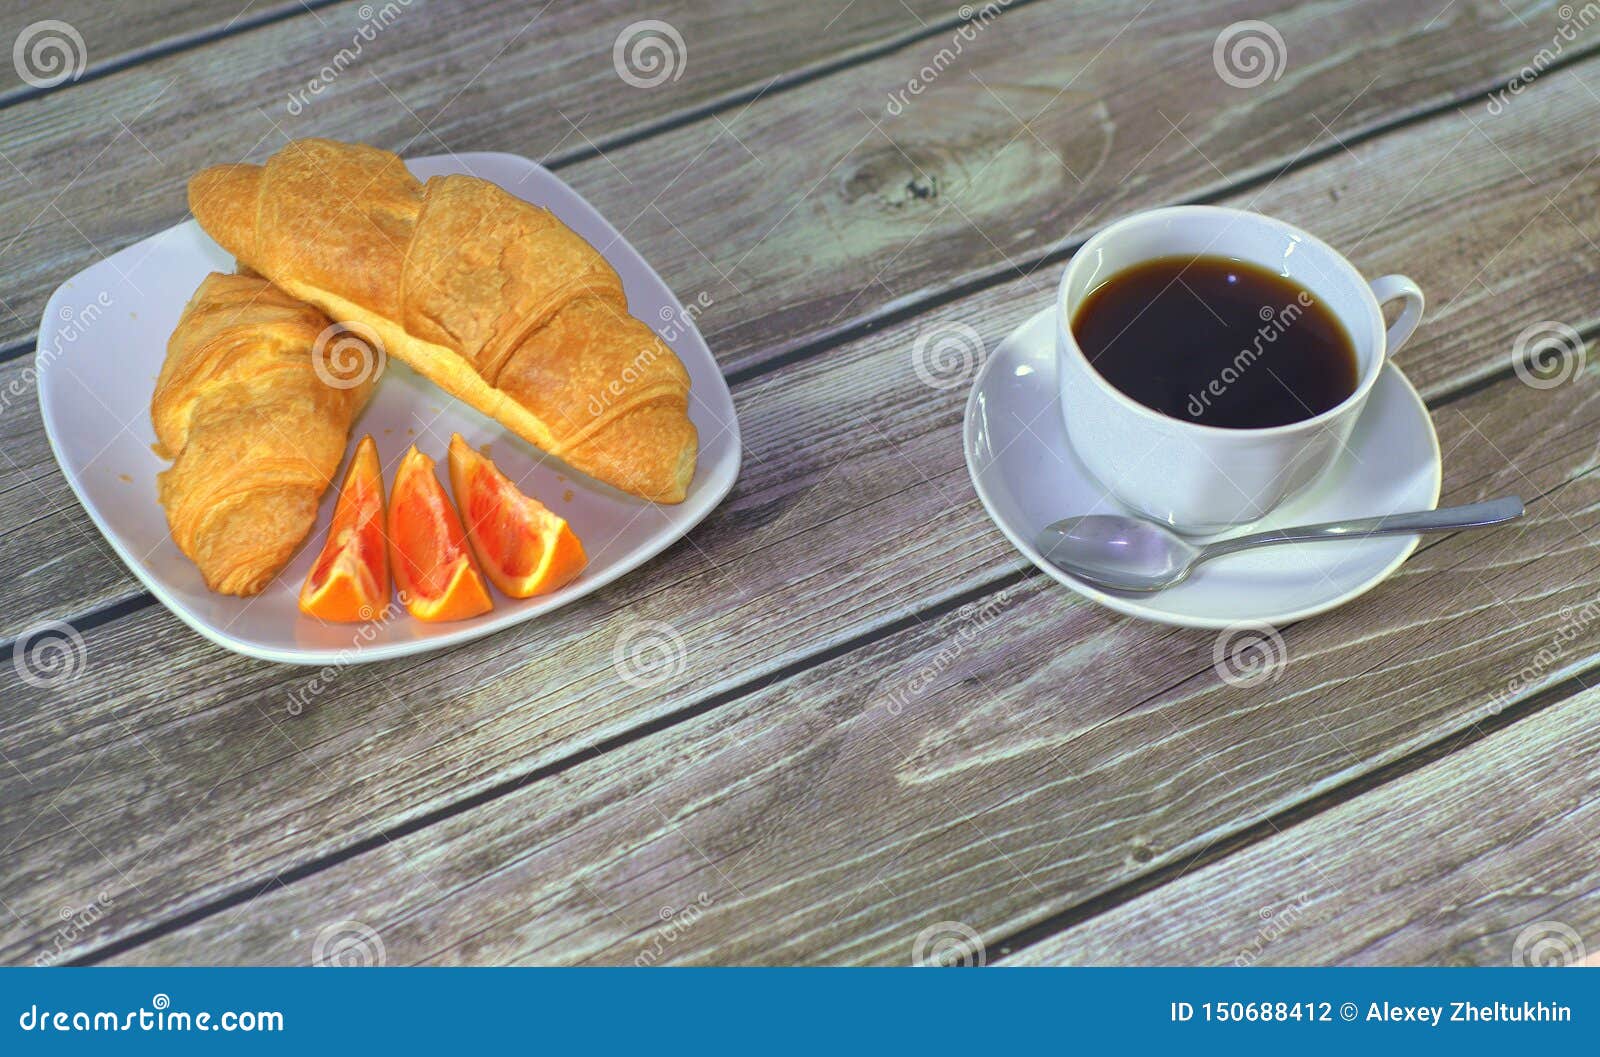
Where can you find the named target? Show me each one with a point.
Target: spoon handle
(1474, 515)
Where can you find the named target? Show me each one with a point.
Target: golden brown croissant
(255, 428)
(491, 298)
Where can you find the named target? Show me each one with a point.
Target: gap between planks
(151, 52)
(1010, 944)
(1065, 919)
(1001, 272)
(742, 97)
(1305, 811)
(1024, 267)
(549, 770)
(106, 612)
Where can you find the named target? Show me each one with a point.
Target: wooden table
(1415, 782)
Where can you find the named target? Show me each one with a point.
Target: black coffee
(1216, 341)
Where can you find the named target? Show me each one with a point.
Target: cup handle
(1387, 288)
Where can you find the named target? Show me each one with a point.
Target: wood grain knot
(896, 181)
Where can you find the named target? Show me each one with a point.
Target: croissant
(491, 298)
(254, 428)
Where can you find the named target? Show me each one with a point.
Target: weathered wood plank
(106, 163)
(842, 495)
(1481, 858)
(815, 209)
(1020, 754)
(1497, 245)
(60, 564)
(154, 785)
(113, 34)
(801, 552)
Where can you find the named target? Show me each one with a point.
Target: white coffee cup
(1203, 479)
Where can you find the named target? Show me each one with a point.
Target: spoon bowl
(1121, 553)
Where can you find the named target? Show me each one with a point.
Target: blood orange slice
(524, 548)
(437, 577)
(349, 581)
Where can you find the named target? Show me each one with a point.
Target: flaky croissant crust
(491, 298)
(254, 431)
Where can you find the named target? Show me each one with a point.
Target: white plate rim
(1131, 606)
(718, 483)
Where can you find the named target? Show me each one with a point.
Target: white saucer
(1028, 475)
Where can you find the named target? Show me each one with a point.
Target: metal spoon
(1135, 554)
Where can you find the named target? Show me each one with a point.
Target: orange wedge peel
(523, 547)
(433, 568)
(349, 581)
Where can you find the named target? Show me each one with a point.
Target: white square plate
(101, 345)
